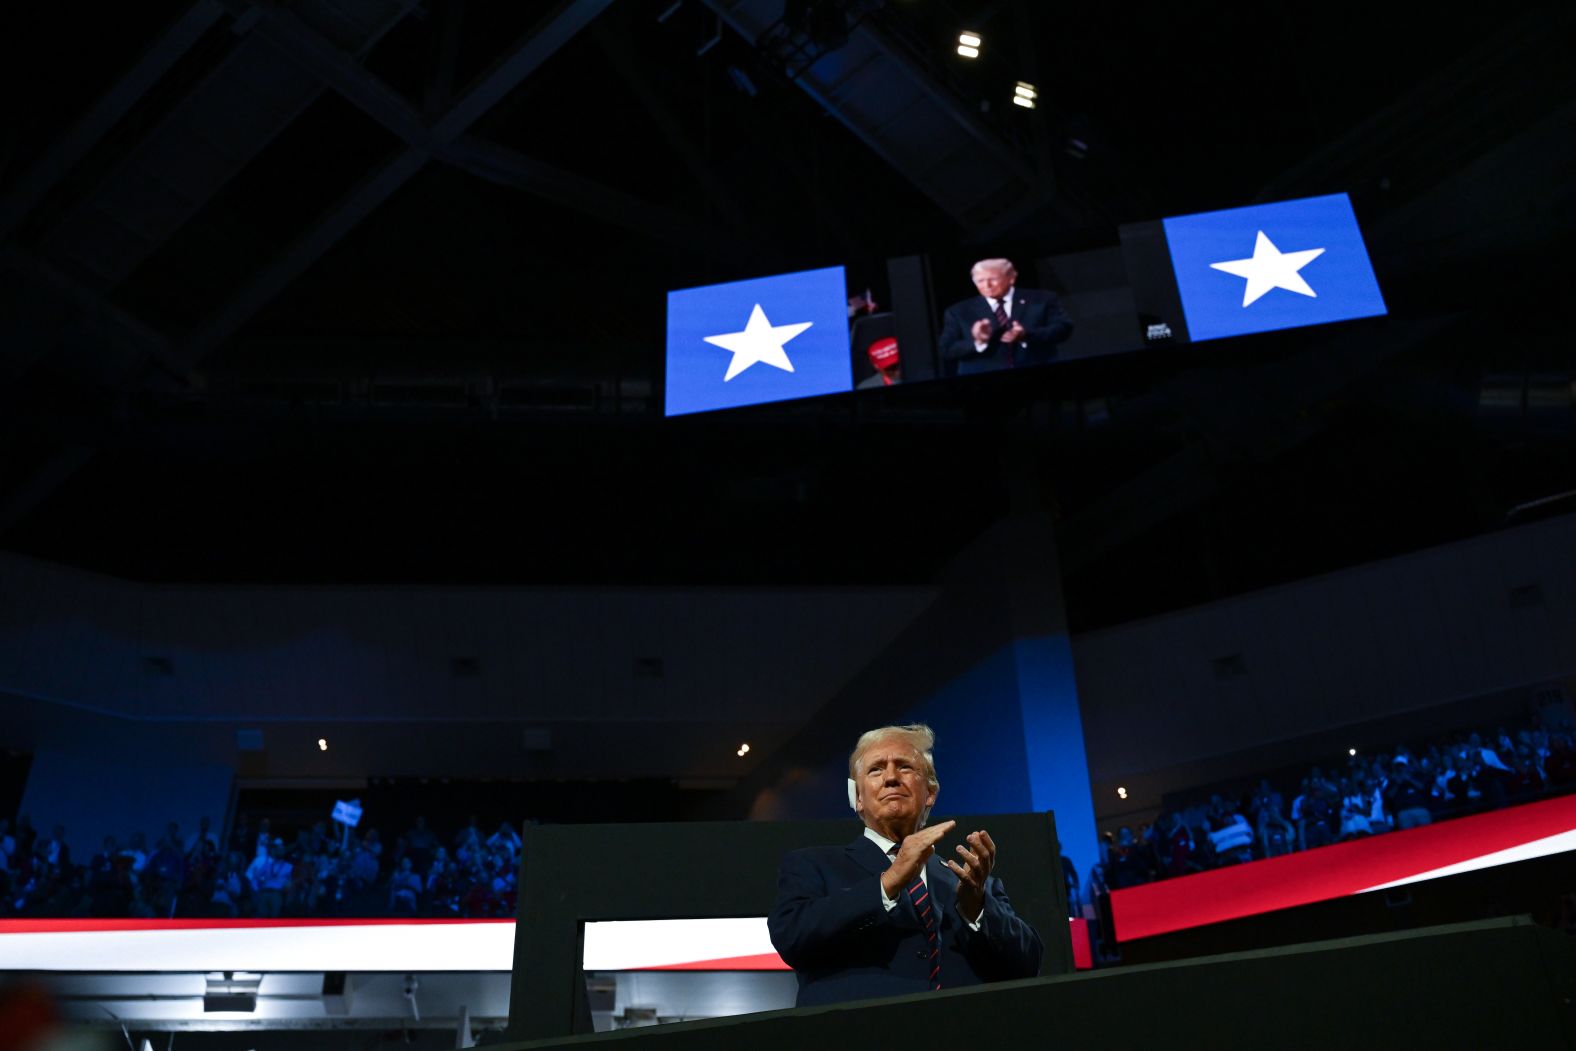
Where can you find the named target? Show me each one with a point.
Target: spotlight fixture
(322, 744)
(1024, 94)
(744, 749)
(1121, 793)
(1351, 751)
(969, 45)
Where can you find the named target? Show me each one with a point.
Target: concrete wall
(1463, 620)
(988, 666)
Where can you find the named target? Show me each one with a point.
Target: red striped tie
(920, 896)
(1002, 324)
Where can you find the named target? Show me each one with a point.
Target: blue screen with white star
(761, 340)
(1272, 266)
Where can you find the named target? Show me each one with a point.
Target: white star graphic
(761, 341)
(1271, 268)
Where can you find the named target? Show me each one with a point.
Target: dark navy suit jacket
(1045, 324)
(829, 925)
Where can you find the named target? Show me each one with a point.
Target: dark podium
(574, 874)
(1495, 983)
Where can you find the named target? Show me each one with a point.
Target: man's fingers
(924, 841)
(968, 876)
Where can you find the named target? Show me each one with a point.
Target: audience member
(269, 876)
(1409, 794)
(203, 833)
(1231, 840)
(230, 886)
(1175, 846)
(506, 837)
(1354, 811)
(1129, 862)
(420, 844)
(1276, 835)
(405, 890)
(57, 853)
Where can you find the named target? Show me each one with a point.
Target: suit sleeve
(957, 342)
(1005, 946)
(811, 924)
(1052, 324)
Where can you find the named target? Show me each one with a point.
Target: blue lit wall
(989, 667)
(1009, 738)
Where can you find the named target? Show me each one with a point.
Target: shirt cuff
(974, 924)
(979, 348)
(886, 903)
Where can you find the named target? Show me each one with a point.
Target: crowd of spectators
(1396, 788)
(326, 869)
(320, 870)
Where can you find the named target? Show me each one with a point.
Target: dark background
(463, 385)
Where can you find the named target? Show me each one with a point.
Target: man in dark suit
(1003, 327)
(884, 915)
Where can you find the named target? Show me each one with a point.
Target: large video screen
(866, 325)
(749, 342)
(1272, 266)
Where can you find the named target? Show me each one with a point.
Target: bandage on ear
(853, 794)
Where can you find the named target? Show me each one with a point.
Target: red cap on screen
(883, 353)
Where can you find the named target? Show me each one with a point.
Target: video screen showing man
(885, 915)
(1004, 326)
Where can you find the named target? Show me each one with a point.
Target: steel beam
(74, 145)
(442, 139)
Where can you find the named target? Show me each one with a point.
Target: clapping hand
(912, 854)
(973, 868)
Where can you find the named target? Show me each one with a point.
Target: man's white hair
(917, 736)
(1004, 265)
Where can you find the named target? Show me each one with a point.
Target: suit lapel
(867, 855)
(1020, 303)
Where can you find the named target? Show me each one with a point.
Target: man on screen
(884, 915)
(1004, 327)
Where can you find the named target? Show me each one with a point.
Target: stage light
(969, 45)
(322, 744)
(1351, 751)
(744, 749)
(1121, 793)
(1024, 94)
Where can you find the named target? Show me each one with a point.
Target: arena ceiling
(372, 291)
